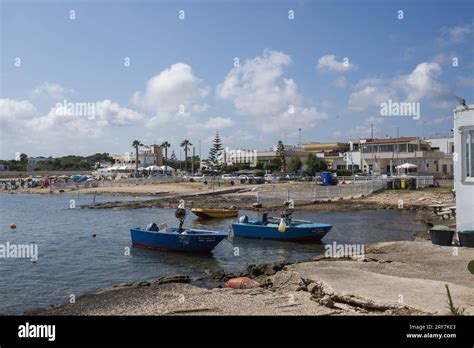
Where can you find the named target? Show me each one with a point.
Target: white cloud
(329, 63)
(257, 88)
(13, 112)
(218, 123)
(340, 82)
(22, 117)
(456, 34)
(420, 85)
(172, 91)
(51, 90)
(363, 130)
(370, 93)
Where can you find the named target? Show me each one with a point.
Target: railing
(355, 188)
(305, 196)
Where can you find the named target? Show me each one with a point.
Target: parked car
(269, 178)
(228, 177)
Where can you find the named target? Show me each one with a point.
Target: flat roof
(391, 140)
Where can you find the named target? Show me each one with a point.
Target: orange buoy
(12, 226)
(241, 283)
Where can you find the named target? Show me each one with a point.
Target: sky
(255, 71)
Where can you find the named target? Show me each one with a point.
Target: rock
(267, 269)
(173, 279)
(327, 301)
(257, 205)
(288, 281)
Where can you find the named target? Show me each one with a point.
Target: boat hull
(214, 213)
(190, 241)
(313, 232)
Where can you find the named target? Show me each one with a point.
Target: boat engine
(243, 219)
(180, 214)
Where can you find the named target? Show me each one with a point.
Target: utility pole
(372, 140)
(192, 160)
(300, 144)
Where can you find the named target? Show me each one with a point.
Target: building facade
(332, 153)
(464, 166)
(148, 155)
(382, 156)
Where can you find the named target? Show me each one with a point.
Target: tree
(315, 164)
(136, 144)
(215, 152)
(295, 165)
(280, 154)
(173, 157)
(23, 158)
(165, 145)
(186, 144)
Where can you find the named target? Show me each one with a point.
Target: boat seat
(162, 227)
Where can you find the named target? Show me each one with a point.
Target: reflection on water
(71, 261)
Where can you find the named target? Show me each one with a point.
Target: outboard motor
(180, 214)
(243, 219)
(265, 218)
(152, 227)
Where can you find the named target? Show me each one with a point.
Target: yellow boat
(208, 213)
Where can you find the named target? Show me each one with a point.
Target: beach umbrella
(406, 166)
(166, 168)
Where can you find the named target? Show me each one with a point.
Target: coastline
(395, 278)
(166, 195)
(320, 286)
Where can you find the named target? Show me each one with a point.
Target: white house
(464, 166)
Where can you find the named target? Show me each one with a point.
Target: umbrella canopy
(166, 168)
(406, 166)
(152, 168)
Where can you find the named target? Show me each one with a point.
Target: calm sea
(71, 261)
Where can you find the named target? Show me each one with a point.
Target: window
(402, 147)
(386, 148)
(469, 153)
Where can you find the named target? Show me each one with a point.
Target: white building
(464, 166)
(443, 144)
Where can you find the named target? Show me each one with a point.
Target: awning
(406, 166)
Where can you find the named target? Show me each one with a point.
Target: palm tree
(186, 144)
(165, 145)
(136, 144)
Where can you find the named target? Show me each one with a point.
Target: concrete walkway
(410, 274)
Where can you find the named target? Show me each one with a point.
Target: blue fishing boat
(176, 238)
(284, 228)
(173, 238)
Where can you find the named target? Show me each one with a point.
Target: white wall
(464, 186)
(442, 143)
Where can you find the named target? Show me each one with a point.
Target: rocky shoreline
(395, 278)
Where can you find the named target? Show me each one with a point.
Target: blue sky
(190, 63)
